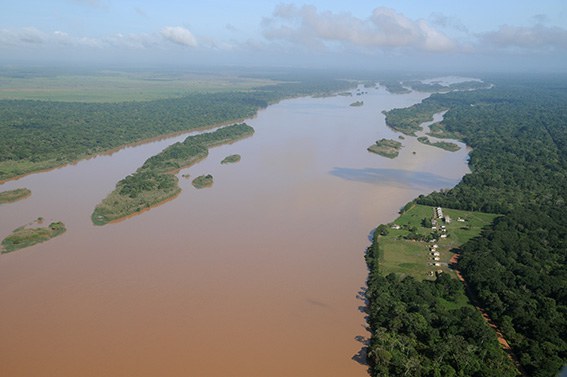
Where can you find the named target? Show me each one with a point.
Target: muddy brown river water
(256, 276)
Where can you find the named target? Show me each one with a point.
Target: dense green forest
(155, 182)
(517, 267)
(41, 134)
(425, 328)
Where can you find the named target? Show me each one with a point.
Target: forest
(37, 135)
(422, 328)
(517, 266)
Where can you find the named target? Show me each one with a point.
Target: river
(256, 276)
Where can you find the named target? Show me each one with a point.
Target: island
(409, 120)
(24, 236)
(14, 195)
(231, 159)
(155, 182)
(394, 87)
(439, 131)
(203, 181)
(386, 148)
(357, 104)
(451, 147)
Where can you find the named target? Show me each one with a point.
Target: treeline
(42, 134)
(425, 328)
(517, 268)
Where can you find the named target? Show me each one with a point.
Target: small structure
(396, 226)
(444, 235)
(460, 219)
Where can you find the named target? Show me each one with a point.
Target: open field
(413, 257)
(118, 86)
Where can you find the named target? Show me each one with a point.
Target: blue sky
(416, 34)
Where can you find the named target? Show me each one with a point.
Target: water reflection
(399, 178)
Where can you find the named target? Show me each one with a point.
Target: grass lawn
(413, 257)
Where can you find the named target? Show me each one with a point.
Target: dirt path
(501, 339)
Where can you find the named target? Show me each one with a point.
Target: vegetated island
(451, 147)
(155, 181)
(14, 195)
(394, 87)
(408, 121)
(439, 131)
(233, 158)
(514, 268)
(24, 237)
(357, 104)
(386, 148)
(203, 181)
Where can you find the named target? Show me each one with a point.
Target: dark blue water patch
(406, 179)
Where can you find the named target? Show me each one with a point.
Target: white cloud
(179, 35)
(443, 21)
(31, 37)
(385, 28)
(533, 38)
(23, 36)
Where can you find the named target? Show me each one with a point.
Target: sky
(464, 35)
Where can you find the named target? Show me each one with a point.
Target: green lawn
(412, 257)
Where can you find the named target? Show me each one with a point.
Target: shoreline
(110, 152)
